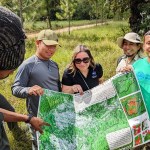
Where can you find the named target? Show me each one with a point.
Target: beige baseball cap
(48, 36)
(131, 37)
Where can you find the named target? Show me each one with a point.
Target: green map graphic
(126, 84)
(86, 130)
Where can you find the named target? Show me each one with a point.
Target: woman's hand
(77, 89)
(72, 89)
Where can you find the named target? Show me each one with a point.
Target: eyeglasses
(78, 60)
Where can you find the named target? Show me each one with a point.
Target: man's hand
(36, 90)
(37, 124)
(127, 68)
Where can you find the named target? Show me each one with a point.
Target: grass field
(102, 42)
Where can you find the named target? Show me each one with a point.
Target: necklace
(84, 80)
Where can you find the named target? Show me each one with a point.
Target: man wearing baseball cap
(131, 45)
(12, 50)
(38, 72)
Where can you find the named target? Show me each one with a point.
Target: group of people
(39, 71)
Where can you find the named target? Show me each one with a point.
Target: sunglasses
(84, 60)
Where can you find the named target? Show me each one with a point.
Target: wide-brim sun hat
(131, 37)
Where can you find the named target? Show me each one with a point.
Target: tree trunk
(20, 11)
(69, 15)
(136, 18)
(48, 15)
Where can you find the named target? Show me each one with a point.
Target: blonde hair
(80, 48)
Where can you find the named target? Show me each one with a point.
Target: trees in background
(97, 11)
(67, 9)
(118, 9)
(26, 9)
(140, 15)
(82, 10)
(145, 13)
(33, 10)
(136, 11)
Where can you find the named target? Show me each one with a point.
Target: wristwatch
(29, 118)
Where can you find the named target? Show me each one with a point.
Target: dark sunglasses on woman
(84, 60)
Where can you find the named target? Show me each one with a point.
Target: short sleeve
(67, 78)
(99, 70)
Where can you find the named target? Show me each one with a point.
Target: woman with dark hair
(82, 73)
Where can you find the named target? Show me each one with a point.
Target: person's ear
(37, 43)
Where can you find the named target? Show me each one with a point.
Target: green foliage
(49, 10)
(67, 9)
(82, 11)
(118, 9)
(30, 47)
(145, 13)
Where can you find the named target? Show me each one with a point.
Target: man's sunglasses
(78, 60)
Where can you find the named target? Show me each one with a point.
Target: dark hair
(78, 49)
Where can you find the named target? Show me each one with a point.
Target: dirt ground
(33, 35)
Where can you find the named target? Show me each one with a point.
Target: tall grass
(102, 42)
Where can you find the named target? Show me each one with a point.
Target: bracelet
(29, 118)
